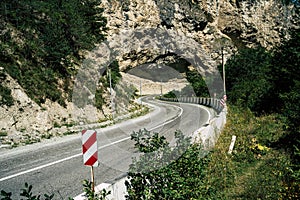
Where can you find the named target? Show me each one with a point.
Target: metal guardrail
(210, 102)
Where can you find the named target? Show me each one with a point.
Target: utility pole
(223, 66)
(161, 88)
(141, 92)
(160, 67)
(111, 95)
(140, 88)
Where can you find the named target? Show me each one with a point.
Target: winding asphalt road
(56, 166)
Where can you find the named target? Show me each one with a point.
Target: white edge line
(40, 167)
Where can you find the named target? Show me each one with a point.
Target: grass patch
(255, 169)
(47, 136)
(143, 111)
(69, 133)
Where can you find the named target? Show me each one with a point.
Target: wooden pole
(223, 68)
(111, 96)
(93, 179)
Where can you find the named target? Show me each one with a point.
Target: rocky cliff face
(211, 24)
(214, 24)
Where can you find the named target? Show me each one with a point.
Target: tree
(115, 73)
(248, 79)
(96, 21)
(198, 83)
(286, 76)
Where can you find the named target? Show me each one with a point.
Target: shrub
(2, 133)
(27, 193)
(5, 96)
(163, 172)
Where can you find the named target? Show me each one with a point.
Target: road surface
(56, 165)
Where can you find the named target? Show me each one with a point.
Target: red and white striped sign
(89, 148)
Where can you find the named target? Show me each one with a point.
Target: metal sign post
(90, 152)
(93, 179)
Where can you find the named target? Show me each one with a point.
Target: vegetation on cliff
(42, 43)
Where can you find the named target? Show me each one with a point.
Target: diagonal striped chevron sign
(89, 148)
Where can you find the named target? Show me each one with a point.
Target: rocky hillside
(214, 25)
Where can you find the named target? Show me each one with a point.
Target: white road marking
(80, 154)
(39, 167)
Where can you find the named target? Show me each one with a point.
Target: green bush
(171, 94)
(248, 79)
(198, 84)
(115, 73)
(5, 96)
(90, 193)
(3, 133)
(163, 172)
(28, 195)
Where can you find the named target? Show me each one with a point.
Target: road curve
(55, 165)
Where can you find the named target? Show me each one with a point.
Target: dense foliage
(286, 67)
(5, 93)
(163, 172)
(27, 194)
(115, 74)
(262, 80)
(196, 86)
(268, 82)
(248, 78)
(197, 82)
(41, 42)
